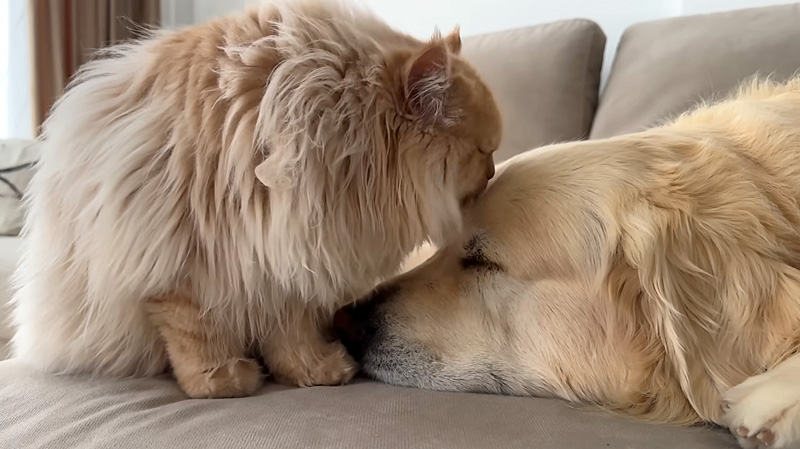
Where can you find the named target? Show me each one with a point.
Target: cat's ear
(264, 174)
(426, 82)
(274, 173)
(453, 40)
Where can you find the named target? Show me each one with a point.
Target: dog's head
(372, 140)
(458, 322)
(533, 299)
(510, 308)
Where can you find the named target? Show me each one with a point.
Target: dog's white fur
(655, 274)
(257, 161)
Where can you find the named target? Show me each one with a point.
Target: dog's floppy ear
(426, 82)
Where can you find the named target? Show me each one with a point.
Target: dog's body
(219, 190)
(655, 274)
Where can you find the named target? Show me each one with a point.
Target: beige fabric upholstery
(662, 68)
(16, 157)
(10, 248)
(545, 79)
(44, 412)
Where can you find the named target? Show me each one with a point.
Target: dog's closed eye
(475, 257)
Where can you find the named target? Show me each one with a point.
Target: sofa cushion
(68, 412)
(545, 79)
(10, 248)
(16, 170)
(664, 67)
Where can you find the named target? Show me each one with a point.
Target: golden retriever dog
(210, 196)
(654, 274)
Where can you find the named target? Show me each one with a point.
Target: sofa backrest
(545, 79)
(663, 68)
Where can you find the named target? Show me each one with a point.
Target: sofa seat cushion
(37, 410)
(545, 79)
(664, 67)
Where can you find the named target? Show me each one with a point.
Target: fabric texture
(10, 248)
(37, 411)
(65, 34)
(545, 79)
(16, 170)
(662, 68)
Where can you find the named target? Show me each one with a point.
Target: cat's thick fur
(217, 191)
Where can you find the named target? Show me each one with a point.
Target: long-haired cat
(211, 194)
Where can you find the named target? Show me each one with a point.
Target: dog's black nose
(354, 328)
(356, 324)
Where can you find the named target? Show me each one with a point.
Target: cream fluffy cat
(211, 194)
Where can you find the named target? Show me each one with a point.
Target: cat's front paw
(328, 364)
(233, 379)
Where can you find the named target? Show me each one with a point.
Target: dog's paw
(764, 411)
(329, 364)
(236, 378)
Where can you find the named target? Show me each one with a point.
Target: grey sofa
(546, 80)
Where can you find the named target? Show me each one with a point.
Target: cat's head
(452, 124)
(373, 141)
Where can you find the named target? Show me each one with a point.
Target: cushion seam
(586, 132)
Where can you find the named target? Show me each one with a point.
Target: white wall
(706, 6)
(419, 17)
(4, 48)
(15, 87)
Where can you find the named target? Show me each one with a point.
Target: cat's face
(453, 114)
(476, 136)
(452, 123)
(375, 143)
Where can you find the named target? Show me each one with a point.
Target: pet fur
(654, 274)
(214, 193)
